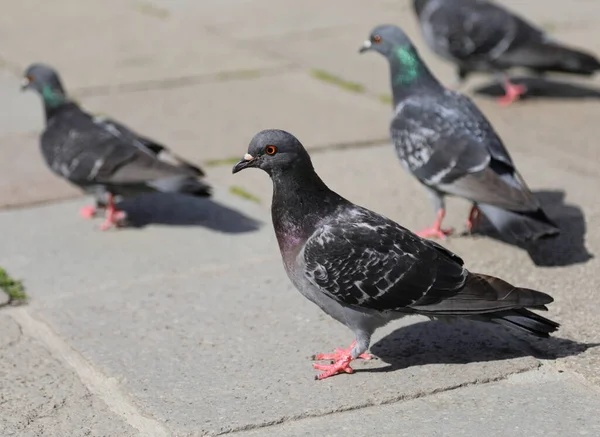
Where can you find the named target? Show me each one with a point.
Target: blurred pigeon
(102, 156)
(478, 35)
(443, 139)
(365, 270)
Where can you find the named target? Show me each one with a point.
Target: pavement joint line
(181, 82)
(387, 401)
(107, 389)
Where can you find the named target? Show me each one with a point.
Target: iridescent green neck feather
(52, 97)
(408, 65)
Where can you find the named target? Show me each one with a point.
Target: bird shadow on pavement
(566, 249)
(464, 341)
(181, 210)
(542, 88)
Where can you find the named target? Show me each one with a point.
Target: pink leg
(474, 218)
(512, 93)
(88, 212)
(114, 217)
(341, 364)
(436, 230)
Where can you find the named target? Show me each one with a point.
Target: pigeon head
(407, 67)
(274, 150)
(46, 82)
(387, 40)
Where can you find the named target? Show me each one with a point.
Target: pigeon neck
(53, 98)
(300, 200)
(408, 72)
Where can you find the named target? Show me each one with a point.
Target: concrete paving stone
(24, 177)
(187, 228)
(217, 120)
(114, 43)
(40, 397)
(524, 405)
(249, 19)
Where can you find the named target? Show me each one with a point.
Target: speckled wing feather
(362, 259)
(445, 141)
(87, 153)
(144, 144)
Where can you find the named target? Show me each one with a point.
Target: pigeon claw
(340, 366)
(114, 218)
(339, 354)
(88, 212)
(512, 93)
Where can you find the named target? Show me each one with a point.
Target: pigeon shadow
(567, 248)
(538, 87)
(464, 341)
(182, 210)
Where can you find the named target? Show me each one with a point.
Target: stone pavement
(186, 324)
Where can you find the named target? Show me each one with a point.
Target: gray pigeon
(478, 35)
(443, 139)
(365, 270)
(104, 157)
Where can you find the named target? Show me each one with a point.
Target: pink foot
(88, 212)
(339, 354)
(513, 92)
(114, 218)
(340, 366)
(435, 232)
(341, 362)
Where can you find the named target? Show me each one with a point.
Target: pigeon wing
(363, 259)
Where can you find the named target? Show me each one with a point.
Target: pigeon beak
(248, 161)
(366, 46)
(25, 83)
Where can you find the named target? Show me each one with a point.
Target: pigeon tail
(524, 320)
(521, 226)
(563, 59)
(488, 299)
(183, 185)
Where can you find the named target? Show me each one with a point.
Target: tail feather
(520, 226)
(545, 56)
(489, 299)
(525, 320)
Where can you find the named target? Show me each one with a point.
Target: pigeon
(365, 270)
(443, 139)
(102, 156)
(478, 35)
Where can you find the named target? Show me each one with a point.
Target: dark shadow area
(464, 341)
(566, 249)
(538, 87)
(181, 210)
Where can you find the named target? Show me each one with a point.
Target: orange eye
(376, 39)
(270, 150)
(30, 78)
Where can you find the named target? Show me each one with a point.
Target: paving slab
(524, 405)
(41, 397)
(218, 119)
(21, 112)
(80, 40)
(196, 326)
